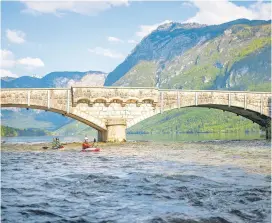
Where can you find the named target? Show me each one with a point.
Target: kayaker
(57, 143)
(86, 144)
(54, 143)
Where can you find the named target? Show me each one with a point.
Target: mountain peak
(176, 25)
(7, 78)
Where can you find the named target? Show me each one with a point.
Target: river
(148, 182)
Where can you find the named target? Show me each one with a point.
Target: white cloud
(7, 73)
(217, 12)
(89, 7)
(187, 4)
(106, 52)
(147, 29)
(15, 36)
(261, 10)
(114, 39)
(7, 59)
(31, 62)
(131, 41)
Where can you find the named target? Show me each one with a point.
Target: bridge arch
(90, 121)
(254, 106)
(254, 116)
(260, 119)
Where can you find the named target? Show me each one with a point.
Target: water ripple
(72, 187)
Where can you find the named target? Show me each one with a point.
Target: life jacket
(85, 145)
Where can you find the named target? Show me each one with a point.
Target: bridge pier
(102, 136)
(268, 132)
(116, 131)
(267, 128)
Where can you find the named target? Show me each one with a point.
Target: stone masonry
(111, 110)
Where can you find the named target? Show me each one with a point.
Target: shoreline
(144, 141)
(254, 156)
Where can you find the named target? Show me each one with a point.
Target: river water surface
(146, 137)
(69, 186)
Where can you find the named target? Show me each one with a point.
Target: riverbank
(252, 156)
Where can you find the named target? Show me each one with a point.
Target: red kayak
(91, 150)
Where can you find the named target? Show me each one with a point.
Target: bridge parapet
(38, 98)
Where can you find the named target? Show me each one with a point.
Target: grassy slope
(76, 128)
(194, 120)
(137, 75)
(189, 72)
(196, 69)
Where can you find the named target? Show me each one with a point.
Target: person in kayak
(86, 143)
(56, 144)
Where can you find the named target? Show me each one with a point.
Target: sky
(39, 37)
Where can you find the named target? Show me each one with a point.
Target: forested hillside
(10, 132)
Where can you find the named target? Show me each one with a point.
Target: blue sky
(41, 37)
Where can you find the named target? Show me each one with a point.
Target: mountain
(176, 52)
(22, 82)
(7, 78)
(232, 56)
(77, 129)
(57, 79)
(10, 132)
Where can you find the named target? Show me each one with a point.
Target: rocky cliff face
(90, 79)
(233, 60)
(193, 56)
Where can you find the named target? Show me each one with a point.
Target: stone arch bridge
(111, 110)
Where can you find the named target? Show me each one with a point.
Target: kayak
(91, 150)
(86, 145)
